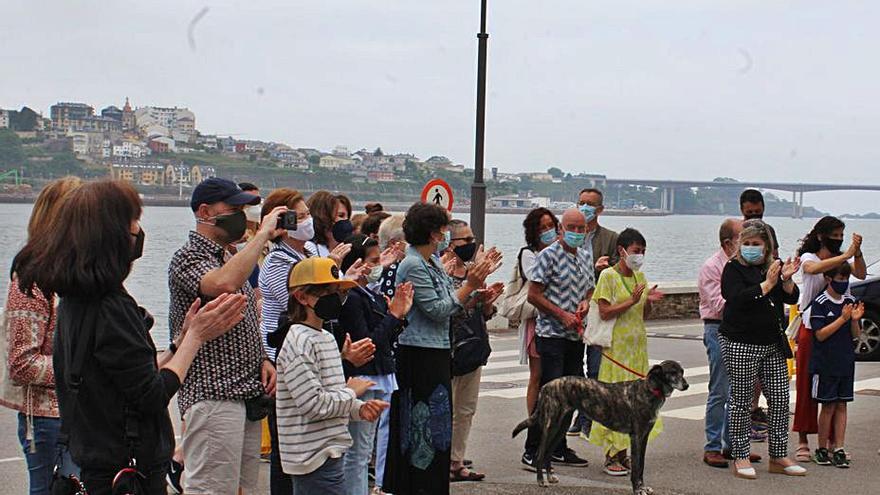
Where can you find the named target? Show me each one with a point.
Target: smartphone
(287, 221)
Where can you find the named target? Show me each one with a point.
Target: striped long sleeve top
(313, 404)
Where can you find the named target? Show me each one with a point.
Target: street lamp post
(478, 188)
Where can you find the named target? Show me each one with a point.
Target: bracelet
(172, 347)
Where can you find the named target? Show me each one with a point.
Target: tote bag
(515, 305)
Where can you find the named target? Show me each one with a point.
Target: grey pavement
(673, 465)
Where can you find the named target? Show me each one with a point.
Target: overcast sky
(778, 90)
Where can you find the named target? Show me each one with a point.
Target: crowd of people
(358, 340)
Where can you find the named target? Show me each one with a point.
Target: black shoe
(528, 460)
(175, 471)
(838, 459)
(576, 426)
(569, 458)
(822, 458)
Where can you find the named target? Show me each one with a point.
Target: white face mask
(375, 274)
(252, 213)
(305, 230)
(635, 261)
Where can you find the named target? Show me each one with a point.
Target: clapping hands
(790, 267)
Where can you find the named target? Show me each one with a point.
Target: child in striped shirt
(314, 402)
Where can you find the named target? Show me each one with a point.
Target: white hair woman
(753, 345)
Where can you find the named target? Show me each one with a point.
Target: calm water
(677, 246)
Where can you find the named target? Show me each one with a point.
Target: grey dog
(627, 407)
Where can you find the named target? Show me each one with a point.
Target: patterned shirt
(228, 367)
(567, 279)
(29, 331)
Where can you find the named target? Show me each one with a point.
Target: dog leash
(656, 392)
(625, 367)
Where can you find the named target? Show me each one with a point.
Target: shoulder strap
(522, 274)
(814, 300)
(74, 374)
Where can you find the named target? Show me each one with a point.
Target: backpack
(470, 343)
(514, 304)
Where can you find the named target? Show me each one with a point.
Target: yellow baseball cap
(317, 271)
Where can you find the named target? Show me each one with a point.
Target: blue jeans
(326, 480)
(357, 459)
(382, 442)
(41, 462)
(717, 438)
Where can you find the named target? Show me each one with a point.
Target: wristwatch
(172, 347)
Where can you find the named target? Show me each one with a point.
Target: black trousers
(559, 357)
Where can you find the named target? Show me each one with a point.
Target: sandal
(614, 467)
(458, 475)
(803, 454)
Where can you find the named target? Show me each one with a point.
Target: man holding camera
(226, 386)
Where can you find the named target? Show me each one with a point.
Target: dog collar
(657, 393)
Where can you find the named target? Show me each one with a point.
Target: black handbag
(470, 343)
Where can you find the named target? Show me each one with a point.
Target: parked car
(867, 346)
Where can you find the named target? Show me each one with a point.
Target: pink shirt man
(709, 283)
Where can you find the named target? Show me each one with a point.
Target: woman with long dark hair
(819, 252)
(113, 392)
(541, 229)
(28, 379)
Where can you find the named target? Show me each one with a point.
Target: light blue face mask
(752, 254)
(549, 236)
(588, 211)
(573, 239)
(447, 238)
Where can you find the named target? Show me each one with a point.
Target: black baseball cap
(214, 190)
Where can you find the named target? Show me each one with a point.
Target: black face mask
(832, 245)
(466, 252)
(137, 250)
(342, 230)
(754, 216)
(234, 224)
(328, 307)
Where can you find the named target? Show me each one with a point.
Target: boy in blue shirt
(835, 317)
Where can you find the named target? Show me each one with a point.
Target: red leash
(625, 367)
(657, 393)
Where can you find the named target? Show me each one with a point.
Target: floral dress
(629, 346)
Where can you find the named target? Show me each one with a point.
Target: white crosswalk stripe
(504, 368)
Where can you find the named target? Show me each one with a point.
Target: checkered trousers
(745, 364)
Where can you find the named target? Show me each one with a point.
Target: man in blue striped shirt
(561, 286)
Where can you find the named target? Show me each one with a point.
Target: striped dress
(313, 404)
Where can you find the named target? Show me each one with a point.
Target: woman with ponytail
(820, 251)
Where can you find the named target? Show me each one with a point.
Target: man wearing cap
(221, 445)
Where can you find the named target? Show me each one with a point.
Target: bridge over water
(797, 189)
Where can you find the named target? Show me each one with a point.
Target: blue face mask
(447, 238)
(573, 239)
(839, 287)
(549, 236)
(588, 211)
(752, 254)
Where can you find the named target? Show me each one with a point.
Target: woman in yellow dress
(622, 293)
